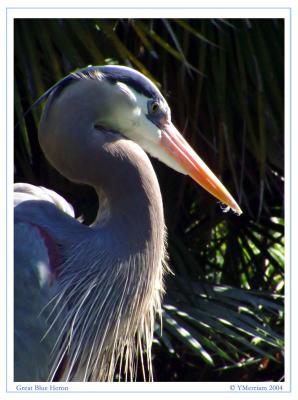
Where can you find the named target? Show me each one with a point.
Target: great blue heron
(86, 297)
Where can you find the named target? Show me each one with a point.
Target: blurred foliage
(223, 311)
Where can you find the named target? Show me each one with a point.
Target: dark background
(223, 310)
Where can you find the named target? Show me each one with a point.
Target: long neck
(131, 210)
(112, 273)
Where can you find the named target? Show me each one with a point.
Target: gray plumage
(108, 288)
(86, 297)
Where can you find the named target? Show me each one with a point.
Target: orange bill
(178, 148)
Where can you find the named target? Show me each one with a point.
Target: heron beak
(177, 147)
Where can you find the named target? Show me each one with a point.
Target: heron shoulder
(25, 191)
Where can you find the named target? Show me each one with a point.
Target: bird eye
(154, 107)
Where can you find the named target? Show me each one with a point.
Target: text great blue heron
(86, 297)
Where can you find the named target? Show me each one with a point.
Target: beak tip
(237, 210)
(227, 206)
